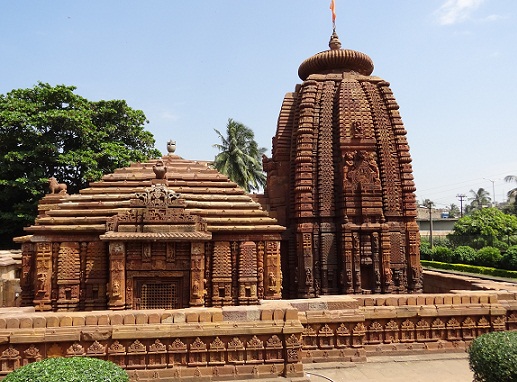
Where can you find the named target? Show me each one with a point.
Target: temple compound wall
(273, 339)
(340, 180)
(145, 238)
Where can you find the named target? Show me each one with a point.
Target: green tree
(49, 131)
(485, 227)
(511, 206)
(479, 199)
(240, 158)
(454, 210)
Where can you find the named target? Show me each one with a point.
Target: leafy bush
(509, 260)
(493, 357)
(489, 257)
(441, 241)
(443, 254)
(464, 255)
(425, 250)
(465, 268)
(76, 369)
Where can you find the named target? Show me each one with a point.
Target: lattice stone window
(158, 295)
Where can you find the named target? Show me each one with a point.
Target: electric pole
(461, 198)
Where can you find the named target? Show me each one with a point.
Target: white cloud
(168, 116)
(456, 11)
(492, 18)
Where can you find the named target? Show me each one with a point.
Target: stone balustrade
(269, 340)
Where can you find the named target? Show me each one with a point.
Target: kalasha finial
(171, 147)
(334, 42)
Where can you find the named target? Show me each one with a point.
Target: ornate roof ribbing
(220, 203)
(336, 59)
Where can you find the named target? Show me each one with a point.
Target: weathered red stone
(340, 181)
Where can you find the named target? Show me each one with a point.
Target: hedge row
(484, 257)
(470, 269)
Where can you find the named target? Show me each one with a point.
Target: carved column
(197, 270)
(377, 264)
(117, 284)
(304, 188)
(27, 274)
(356, 255)
(221, 274)
(68, 276)
(347, 259)
(42, 290)
(261, 258)
(272, 272)
(386, 262)
(248, 273)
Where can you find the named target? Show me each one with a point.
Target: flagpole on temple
(333, 9)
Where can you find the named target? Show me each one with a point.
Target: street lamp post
(493, 191)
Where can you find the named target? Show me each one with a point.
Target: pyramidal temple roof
(220, 203)
(336, 59)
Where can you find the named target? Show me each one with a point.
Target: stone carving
(55, 187)
(160, 170)
(340, 165)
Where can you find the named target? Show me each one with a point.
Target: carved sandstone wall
(272, 339)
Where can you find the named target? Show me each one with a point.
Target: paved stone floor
(422, 368)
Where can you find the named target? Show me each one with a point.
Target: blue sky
(191, 65)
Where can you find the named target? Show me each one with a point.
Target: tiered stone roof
(219, 202)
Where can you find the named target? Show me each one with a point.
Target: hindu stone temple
(106, 271)
(340, 180)
(170, 233)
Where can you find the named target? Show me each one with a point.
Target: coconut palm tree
(453, 210)
(479, 199)
(512, 194)
(240, 158)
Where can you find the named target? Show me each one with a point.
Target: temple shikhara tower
(340, 180)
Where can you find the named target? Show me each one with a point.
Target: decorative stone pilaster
(68, 276)
(248, 273)
(43, 285)
(272, 271)
(222, 274)
(197, 269)
(117, 284)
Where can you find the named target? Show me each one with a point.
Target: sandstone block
(141, 318)
(78, 321)
(52, 321)
(154, 318)
(103, 319)
(266, 314)
(65, 321)
(39, 322)
(90, 320)
(217, 316)
(25, 323)
(116, 319)
(192, 317)
(128, 319)
(179, 317)
(205, 316)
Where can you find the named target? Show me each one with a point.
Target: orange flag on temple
(333, 9)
